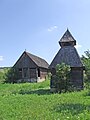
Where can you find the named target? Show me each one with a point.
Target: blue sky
(37, 26)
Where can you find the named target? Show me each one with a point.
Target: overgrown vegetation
(61, 80)
(8, 75)
(33, 101)
(63, 76)
(3, 72)
(86, 61)
(11, 76)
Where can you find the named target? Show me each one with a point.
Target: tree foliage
(12, 76)
(86, 61)
(62, 77)
(3, 72)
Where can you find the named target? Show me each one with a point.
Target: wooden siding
(77, 77)
(68, 55)
(43, 73)
(33, 73)
(29, 69)
(25, 62)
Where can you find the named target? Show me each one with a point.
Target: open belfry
(68, 55)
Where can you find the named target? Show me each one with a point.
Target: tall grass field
(33, 101)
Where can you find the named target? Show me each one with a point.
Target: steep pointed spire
(67, 39)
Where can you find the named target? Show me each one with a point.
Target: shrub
(86, 61)
(62, 77)
(11, 76)
(3, 72)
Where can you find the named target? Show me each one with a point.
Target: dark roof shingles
(67, 37)
(38, 61)
(67, 55)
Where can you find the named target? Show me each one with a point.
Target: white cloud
(52, 28)
(1, 58)
(78, 46)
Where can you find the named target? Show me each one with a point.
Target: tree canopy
(62, 77)
(86, 61)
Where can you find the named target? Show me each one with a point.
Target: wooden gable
(25, 61)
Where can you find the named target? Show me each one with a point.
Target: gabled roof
(67, 37)
(38, 61)
(67, 55)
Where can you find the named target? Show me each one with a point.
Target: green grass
(35, 102)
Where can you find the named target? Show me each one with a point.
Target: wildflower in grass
(67, 117)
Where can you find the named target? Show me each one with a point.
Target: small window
(20, 69)
(67, 44)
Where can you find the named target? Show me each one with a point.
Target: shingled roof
(68, 55)
(38, 61)
(67, 37)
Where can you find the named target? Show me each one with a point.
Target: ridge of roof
(40, 62)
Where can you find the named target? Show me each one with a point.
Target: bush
(11, 76)
(3, 72)
(86, 61)
(62, 77)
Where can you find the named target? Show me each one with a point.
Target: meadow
(33, 101)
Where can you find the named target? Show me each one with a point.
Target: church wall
(77, 77)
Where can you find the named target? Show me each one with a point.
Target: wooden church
(31, 68)
(68, 55)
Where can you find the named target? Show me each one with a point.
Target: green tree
(86, 61)
(1, 76)
(62, 77)
(12, 76)
(3, 72)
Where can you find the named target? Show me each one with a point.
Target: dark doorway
(38, 72)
